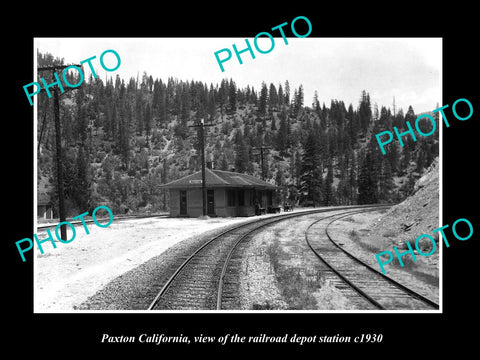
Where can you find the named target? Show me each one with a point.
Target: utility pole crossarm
(56, 67)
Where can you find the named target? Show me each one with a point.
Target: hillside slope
(123, 138)
(418, 214)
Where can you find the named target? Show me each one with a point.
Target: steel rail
(240, 239)
(389, 279)
(266, 221)
(89, 221)
(350, 283)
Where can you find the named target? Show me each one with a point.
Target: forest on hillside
(123, 138)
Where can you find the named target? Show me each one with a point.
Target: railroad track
(351, 274)
(203, 281)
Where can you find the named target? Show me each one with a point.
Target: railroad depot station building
(228, 193)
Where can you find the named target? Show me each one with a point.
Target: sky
(408, 69)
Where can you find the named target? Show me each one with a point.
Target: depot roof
(219, 179)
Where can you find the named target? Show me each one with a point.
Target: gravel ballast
(66, 276)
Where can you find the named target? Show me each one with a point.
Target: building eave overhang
(219, 179)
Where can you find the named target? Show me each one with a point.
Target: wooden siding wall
(222, 209)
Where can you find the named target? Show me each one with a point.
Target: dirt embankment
(416, 215)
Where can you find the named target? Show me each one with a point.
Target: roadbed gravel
(67, 278)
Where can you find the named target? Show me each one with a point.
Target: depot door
(210, 202)
(183, 202)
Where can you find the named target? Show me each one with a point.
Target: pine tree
(280, 182)
(147, 121)
(344, 190)
(281, 140)
(241, 158)
(211, 103)
(410, 117)
(232, 96)
(124, 137)
(185, 105)
(81, 190)
(170, 96)
(298, 100)
(352, 179)
(367, 186)
(287, 92)
(69, 167)
(409, 143)
(272, 97)
(311, 176)
(316, 104)
(404, 163)
(222, 96)
(421, 156)
(157, 95)
(273, 127)
(399, 119)
(281, 96)
(81, 120)
(386, 184)
(139, 114)
(262, 106)
(393, 156)
(113, 122)
(293, 106)
(364, 111)
(328, 193)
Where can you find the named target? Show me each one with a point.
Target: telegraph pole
(262, 148)
(164, 181)
(201, 125)
(58, 146)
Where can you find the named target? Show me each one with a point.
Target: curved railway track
(350, 272)
(202, 280)
(206, 279)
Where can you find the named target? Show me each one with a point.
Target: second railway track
(380, 291)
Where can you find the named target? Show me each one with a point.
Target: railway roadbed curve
(280, 272)
(357, 235)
